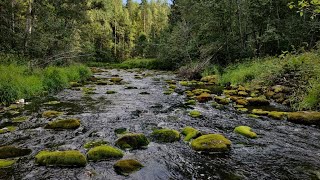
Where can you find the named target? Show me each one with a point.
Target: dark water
(282, 151)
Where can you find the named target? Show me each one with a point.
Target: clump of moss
(304, 117)
(221, 100)
(88, 90)
(132, 141)
(12, 152)
(195, 114)
(111, 92)
(245, 131)
(52, 103)
(213, 79)
(74, 84)
(253, 116)
(243, 102)
(277, 115)
(120, 130)
(191, 102)
(61, 158)
(168, 92)
(211, 143)
(116, 79)
(6, 163)
(172, 86)
(92, 144)
(189, 93)
(242, 93)
(204, 97)
(20, 119)
(63, 124)
(258, 101)
(51, 114)
(243, 110)
(104, 152)
(230, 92)
(127, 166)
(166, 135)
(260, 112)
(8, 129)
(184, 83)
(190, 133)
(200, 91)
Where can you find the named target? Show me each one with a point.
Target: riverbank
(18, 81)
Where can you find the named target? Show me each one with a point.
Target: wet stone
(127, 166)
(61, 158)
(132, 141)
(166, 135)
(12, 152)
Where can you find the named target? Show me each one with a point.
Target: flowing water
(283, 150)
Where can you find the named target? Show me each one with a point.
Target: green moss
(172, 86)
(12, 152)
(127, 166)
(189, 93)
(242, 93)
(6, 163)
(304, 117)
(259, 101)
(243, 110)
(61, 158)
(184, 83)
(260, 112)
(120, 130)
(111, 92)
(8, 129)
(88, 90)
(104, 152)
(74, 84)
(132, 141)
(92, 144)
(211, 143)
(166, 135)
(52, 103)
(204, 97)
(63, 124)
(277, 115)
(191, 102)
(230, 92)
(200, 91)
(168, 92)
(213, 79)
(253, 116)
(245, 131)
(116, 79)
(51, 114)
(221, 100)
(195, 114)
(243, 102)
(190, 133)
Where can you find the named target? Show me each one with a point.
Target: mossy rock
(166, 135)
(243, 110)
(52, 103)
(204, 97)
(121, 131)
(88, 90)
(63, 124)
(253, 116)
(243, 102)
(116, 79)
(104, 152)
(280, 88)
(111, 92)
(4, 163)
(8, 129)
(213, 79)
(241, 88)
(211, 143)
(245, 131)
(51, 114)
(230, 92)
(238, 106)
(197, 92)
(304, 117)
(259, 101)
(189, 94)
(61, 158)
(172, 86)
(190, 133)
(184, 83)
(14, 106)
(168, 92)
(12, 152)
(217, 105)
(221, 100)
(95, 143)
(132, 141)
(191, 102)
(260, 112)
(242, 93)
(195, 114)
(235, 98)
(277, 115)
(127, 166)
(74, 84)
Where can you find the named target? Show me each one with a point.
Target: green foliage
(104, 152)
(61, 158)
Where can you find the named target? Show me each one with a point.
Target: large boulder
(132, 141)
(304, 117)
(166, 135)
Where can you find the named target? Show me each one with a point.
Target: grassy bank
(18, 81)
(300, 72)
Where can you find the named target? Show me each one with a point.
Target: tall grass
(17, 81)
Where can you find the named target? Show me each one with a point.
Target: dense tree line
(224, 31)
(101, 29)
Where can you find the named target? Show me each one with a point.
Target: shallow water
(283, 150)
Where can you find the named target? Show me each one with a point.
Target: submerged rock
(51, 114)
(127, 166)
(195, 114)
(132, 141)
(95, 143)
(304, 117)
(61, 158)
(166, 135)
(190, 133)
(211, 143)
(12, 152)
(63, 124)
(104, 152)
(6, 163)
(245, 131)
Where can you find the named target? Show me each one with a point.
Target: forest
(132, 89)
